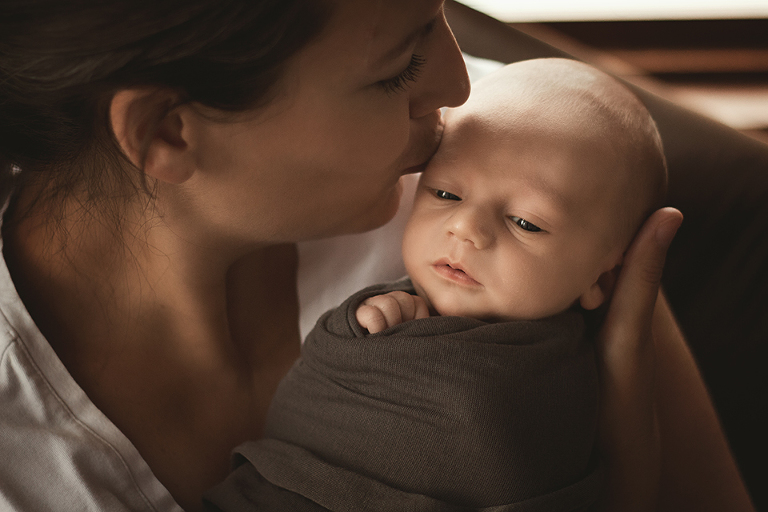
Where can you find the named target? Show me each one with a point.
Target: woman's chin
(382, 212)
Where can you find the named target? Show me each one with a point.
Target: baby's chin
(486, 314)
(440, 305)
(452, 309)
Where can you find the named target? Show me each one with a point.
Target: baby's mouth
(454, 272)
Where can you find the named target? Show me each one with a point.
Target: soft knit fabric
(432, 414)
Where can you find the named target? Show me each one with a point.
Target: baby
(472, 384)
(541, 181)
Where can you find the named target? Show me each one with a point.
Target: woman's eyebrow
(407, 42)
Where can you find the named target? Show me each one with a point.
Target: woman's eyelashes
(400, 82)
(412, 72)
(524, 224)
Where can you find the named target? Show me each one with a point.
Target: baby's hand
(383, 311)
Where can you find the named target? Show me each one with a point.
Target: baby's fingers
(387, 312)
(411, 307)
(421, 310)
(383, 311)
(371, 318)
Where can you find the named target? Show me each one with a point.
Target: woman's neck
(126, 279)
(173, 340)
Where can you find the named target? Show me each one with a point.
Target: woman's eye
(524, 224)
(442, 194)
(410, 74)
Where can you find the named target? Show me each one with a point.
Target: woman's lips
(455, 273)
(425, 139)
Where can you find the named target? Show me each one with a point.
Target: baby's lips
(455, 271)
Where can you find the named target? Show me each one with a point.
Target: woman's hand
(629, 433)
(660, 436)
(384, 311)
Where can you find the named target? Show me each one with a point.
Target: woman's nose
(468, 225)
(444, 82)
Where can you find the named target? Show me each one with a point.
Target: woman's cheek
(379, 131)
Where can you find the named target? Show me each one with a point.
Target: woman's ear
(151, 136)
(600, 290)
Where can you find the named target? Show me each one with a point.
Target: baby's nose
(471, 226)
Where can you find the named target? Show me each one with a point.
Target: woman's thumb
(638, 283)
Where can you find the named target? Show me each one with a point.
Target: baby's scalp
(576, 100)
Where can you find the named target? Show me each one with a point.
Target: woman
(164, 157)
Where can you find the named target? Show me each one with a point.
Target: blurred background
(708, 55)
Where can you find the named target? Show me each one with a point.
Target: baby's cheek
(415, 239)
(522, 290)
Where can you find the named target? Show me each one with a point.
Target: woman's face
(357, 109)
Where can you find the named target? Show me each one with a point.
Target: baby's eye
(442, 194)
(524, 224)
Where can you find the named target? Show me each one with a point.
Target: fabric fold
(444, 413)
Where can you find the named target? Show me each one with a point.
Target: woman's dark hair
(61, 61)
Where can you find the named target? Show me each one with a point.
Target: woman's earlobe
(150, 136)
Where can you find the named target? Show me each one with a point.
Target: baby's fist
(382, 311)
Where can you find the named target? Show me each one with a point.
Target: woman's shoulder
(59, 451)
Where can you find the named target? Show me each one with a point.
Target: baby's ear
(601, 290)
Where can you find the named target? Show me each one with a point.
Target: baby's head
(541, 181)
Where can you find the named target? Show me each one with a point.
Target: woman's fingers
(628, 424)
(636, 289)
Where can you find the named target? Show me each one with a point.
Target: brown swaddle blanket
(439, 414)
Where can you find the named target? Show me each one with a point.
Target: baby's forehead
(505, 106)
(554, 153)
(545, 130)
(585, 118)
(571, 110)
(562, 162)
